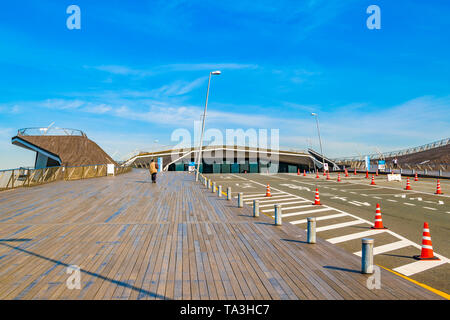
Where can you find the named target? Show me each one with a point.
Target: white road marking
(392, 200)
(440, 202)
(264, 197)
(409, 204)
(354, 236)
(286, 208)
(429, 208)
(339, 225)
(269, 199)
(407, 270)
(387, 247)
(375, 197)
(305, 212)
(311, 184)
(359, 204)
(331, 216)
(284, 203)
(418, 266)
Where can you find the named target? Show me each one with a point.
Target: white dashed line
(429, 208)
(409, 204)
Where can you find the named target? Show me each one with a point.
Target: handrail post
(240, 200)
(311, 236)
(367, 255)
(278, 214)
(256, 208)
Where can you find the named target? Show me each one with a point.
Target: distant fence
(22, 177)
(360, 165)
(391, 154)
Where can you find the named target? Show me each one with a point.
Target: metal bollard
(278, 214)
(219, 191)
(240, 200)
(256, 208)
(311, 230)
(367, 256)
(229, 193)
(213, 188)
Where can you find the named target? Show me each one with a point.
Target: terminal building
(234, 159)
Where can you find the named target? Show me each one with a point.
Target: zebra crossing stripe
(304, 212)
(288, 208)
(339, 225)
(284, 203)
(354, 236)
(331, 216)
(387, 247)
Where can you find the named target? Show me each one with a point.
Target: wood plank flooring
(172, 240)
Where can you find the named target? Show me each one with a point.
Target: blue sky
(137, 71)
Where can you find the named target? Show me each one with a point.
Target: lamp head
(216, 72)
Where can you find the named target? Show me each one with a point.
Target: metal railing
(398, 153)
(50, 131)
(23, 177)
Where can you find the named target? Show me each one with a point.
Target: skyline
(137, 71)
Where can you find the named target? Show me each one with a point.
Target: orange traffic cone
(416, 178)
(355, 172)
(324, 172)
(339, 177)
(298, 172)
(408, 186)
(268, 191)
(317, 176)
(367, 174)
(427, 247)
(378, 219)
(373, 180)
(438, 188)
(304, 173)
(328, 175)
(317, 198)
(346, 173)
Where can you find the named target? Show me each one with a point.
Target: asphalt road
(348, 212)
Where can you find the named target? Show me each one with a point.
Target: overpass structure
(431, 156)
(231, 159)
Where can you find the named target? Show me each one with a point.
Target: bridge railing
(391, 154)
(24, 177)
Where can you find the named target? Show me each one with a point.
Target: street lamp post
(320, 141)
(199, 159)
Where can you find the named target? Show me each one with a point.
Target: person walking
(153, 170)
(395, 162)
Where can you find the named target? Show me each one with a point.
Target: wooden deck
(173, 240)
